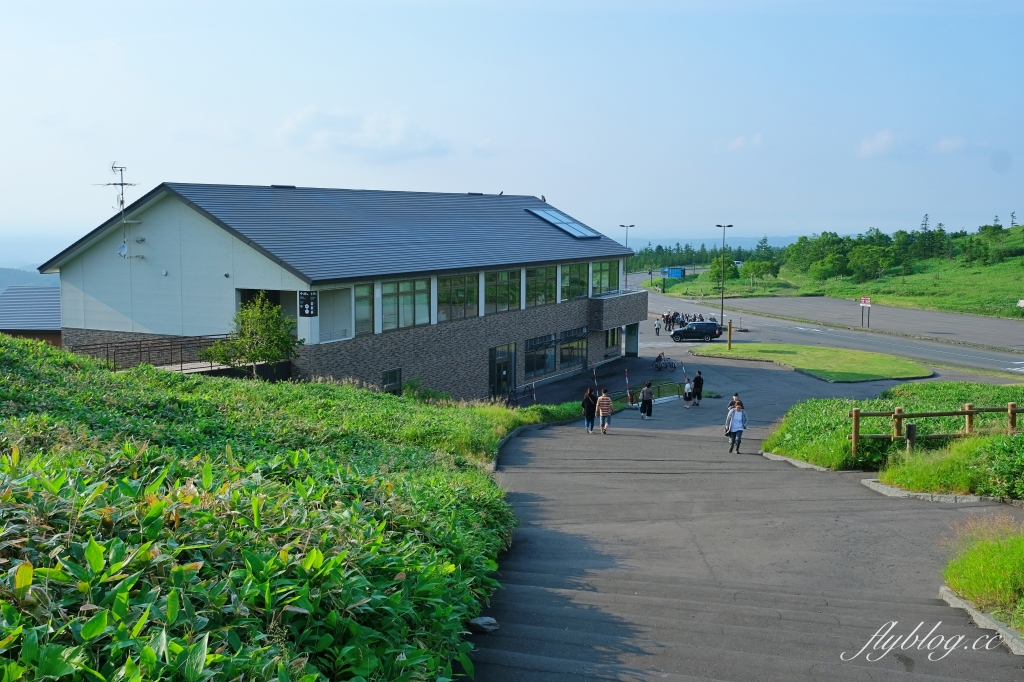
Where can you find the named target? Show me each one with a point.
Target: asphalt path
(773, 330)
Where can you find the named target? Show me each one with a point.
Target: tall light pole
(721, 314)
(627, 246)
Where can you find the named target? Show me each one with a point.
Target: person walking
(589, 409)
(735, 423)
(604, 409)
(698, 389)
(735, 399)
(646, 401)
(687, 393)
(657, 327)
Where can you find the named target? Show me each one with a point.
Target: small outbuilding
(30, 312)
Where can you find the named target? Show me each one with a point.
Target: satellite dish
(123, 250)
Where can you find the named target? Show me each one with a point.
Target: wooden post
(1012, 416)
(897, 423)
(970, 417)
(911, 436)
(856, 430)
(730, 335)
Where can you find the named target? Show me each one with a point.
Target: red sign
(865, 301)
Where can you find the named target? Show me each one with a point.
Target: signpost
(865, 302)
(308, 304)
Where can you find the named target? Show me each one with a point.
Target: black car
(697, 331)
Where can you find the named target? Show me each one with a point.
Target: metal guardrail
(179, 354)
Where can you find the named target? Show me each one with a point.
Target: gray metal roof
(323, 235)
(30, 308)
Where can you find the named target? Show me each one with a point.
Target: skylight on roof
(564, 222)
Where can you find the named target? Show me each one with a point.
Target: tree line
(828, 255)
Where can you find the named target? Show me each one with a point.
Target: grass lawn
(163, 526)
(831, 364)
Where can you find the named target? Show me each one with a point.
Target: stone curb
(798, 463)
(1010, 637)
(890, 491)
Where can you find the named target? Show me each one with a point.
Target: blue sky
(782, 118)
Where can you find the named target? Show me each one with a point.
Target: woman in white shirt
(687, 393)
(735, 423)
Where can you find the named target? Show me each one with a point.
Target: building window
(457, 297)
(501, 291)
(335, 314)
(540, 356)
(392, 381)
(606, 277)
(364, 309)
(405, 304)
(572, 350)
(541, 286)
(612, 337)
(574, 281)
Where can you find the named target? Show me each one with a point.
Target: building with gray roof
(31, 312)
(473, 293)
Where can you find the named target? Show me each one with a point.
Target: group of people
(601, 406)
(672, 319)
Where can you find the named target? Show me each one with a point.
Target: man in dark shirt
(698, 388)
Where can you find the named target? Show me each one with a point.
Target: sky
(781, 117)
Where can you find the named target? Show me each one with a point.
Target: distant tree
(1013, 219)
(833, 265)
(261, 333)
(900, 253)
(714, 272)
(865, 262)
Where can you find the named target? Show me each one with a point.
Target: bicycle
(665, 363)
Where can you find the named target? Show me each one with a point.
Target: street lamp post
(627, 246)
(721, 314)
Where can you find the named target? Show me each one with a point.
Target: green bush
(187, 528)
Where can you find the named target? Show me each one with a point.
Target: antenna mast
(121, 184)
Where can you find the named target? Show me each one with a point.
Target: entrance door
(632, 340)
(503, 370)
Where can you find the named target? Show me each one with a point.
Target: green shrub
(187, 528)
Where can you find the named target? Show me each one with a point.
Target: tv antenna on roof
(120, 184)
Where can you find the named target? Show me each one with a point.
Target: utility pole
(721, 315)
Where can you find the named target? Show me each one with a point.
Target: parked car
(697, 331)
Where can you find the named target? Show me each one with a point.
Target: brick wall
(452, 357)
(71, 336)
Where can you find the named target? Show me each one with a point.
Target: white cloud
(875, 145)
(742, 142)
(948, 145)
(375, 137)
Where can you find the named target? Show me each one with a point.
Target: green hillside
(980, 273)
(157, 525)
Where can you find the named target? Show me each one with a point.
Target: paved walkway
(653, 553)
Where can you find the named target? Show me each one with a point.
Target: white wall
(101, 290)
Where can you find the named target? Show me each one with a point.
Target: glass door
(503, 370)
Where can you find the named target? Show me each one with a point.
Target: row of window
(406, 303)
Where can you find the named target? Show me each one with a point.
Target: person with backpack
(735, 423)
(698, 389)
(646, 401)
(589, 409)
(604, 409)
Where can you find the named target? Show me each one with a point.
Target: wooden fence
(899, 417)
